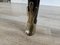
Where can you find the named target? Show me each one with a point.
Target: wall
(19, 1)
(43, 2)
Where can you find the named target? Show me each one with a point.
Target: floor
(13, 18)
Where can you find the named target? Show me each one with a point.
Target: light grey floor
(13, 18)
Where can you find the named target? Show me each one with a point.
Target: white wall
(43, 2)
(51, 2)
(19, 1)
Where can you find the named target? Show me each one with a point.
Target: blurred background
(43, 2)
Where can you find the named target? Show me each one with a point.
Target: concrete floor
(13, 18)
